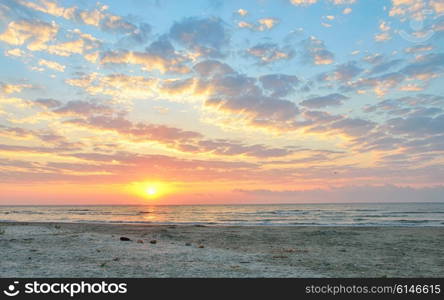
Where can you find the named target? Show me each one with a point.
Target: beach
(96, 250)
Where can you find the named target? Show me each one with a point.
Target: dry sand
(85, 250)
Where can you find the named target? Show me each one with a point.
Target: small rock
(116, 259)
(139, 242)
(280, 256)
(290, 250)
(153, 242)
(201, 246)
(125, 239)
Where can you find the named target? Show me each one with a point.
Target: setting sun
(151, 191)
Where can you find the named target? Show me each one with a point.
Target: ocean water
(362, 214)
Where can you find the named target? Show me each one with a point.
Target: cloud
(310, 2)
(411, 88)
(15, 52)
(416, 9)
(266, 53)
(417, 125)
(205, 37)
(226, 147)
(242, 12)
(279, 85)
(98, 17)
(79, 107)
(240, 96)
(260, 110)
(353, 126)
(8, 88)
(344, 72)
(160, 55)
(117, 85)
(52, 65)
(385, 66)
(175, 138)
(418, 49)
(423, 103)
(347, 11)
(383, 37)
(324, 101)
(261, 24)
(82, 44)
(210, 68)
(316, 50)
(118, 167)
(47, 136)
(374, 58)
(36, 34)
(14, 132)
(380, 84)
(425, 67)
(303, 2)
(139, 131)
(48, 103)
(138, 36)
(363, 194)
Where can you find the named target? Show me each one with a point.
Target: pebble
(153, 242)
(201, 246)
(279, 256)
(125, 239)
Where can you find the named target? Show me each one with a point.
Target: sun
(151, 191)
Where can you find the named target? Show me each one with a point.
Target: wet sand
(90, 250)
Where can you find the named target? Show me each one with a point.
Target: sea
(356, 214)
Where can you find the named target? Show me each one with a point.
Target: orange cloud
(35, 33)
(52, 65)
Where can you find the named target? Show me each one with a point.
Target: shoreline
(95, 250)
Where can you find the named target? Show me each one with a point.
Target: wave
(272, 215)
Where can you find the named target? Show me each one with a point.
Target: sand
(85, 250)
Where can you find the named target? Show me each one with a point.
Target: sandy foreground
(85, 250)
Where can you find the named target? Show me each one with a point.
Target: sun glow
(150, 190)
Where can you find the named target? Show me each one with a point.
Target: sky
(211, 101)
